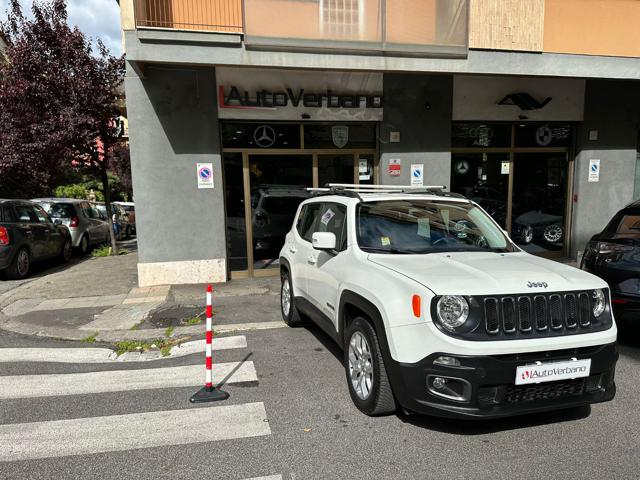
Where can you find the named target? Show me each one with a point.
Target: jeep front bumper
(484, 386)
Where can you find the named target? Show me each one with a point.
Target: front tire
(20, 266)
(288, 308)
(367, 379)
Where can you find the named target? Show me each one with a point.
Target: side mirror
(323, 241)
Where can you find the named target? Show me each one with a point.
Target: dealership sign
(270, 94)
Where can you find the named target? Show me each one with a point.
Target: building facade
(235, 106)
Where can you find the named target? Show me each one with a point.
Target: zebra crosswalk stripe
(29, 386)
(84, 436)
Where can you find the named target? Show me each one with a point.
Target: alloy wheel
(553, 233)
(360, 367)
(22, 264)
(285, 296)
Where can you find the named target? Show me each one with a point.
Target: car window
(424, 226)
(629, 225)
(26, 214)
(42, 215)
(87, 210)
(307, 220)
(61, 210)
(8, 216)
(332, 219)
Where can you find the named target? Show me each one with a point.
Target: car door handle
(311, 259)
(293, 249)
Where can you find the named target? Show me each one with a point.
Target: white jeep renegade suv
(439, 312)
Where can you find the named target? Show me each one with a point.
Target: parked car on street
(119, 219)
(87, 228)
(28, 235)
(439, 312)
(130, 209)
(614, 256)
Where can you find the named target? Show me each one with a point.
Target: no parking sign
(205, 175)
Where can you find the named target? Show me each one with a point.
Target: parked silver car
(88, 228)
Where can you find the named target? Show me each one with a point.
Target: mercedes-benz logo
(264, 136)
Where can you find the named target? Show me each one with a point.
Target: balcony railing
(205, 15)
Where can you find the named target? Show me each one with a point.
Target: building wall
(507, 24)
(172, 126)
(613, 109)
(425, 132)
(592, 27)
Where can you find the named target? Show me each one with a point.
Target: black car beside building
(614, 255)
(28, 235)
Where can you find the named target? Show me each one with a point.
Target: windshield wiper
(384, 250)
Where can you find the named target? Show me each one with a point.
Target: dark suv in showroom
(614, 255)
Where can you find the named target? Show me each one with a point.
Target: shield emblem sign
(340, 135)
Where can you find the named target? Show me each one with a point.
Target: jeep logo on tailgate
(537, 284)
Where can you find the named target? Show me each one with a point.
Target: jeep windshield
(426, 226)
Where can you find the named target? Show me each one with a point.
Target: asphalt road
(312, 429)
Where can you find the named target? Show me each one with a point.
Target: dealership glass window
(235, 212)
(481, 135)
(278, 185)
(542, 135)
(539, 201)
(335, 169)
(347, 135)
(260, 135)
(483, 178)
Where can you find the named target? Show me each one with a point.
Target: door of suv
(324, 270)
(301, 249)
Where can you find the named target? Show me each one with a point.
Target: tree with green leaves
(56, 103)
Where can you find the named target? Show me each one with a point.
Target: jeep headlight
(453, 311)
(598, 302)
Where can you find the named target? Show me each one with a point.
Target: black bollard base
(208, 394)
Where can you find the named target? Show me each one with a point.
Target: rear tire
(367, 379)
(83, 247)
(65, 254)
(20, 266)
(288, 308)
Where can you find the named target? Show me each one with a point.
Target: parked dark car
(614, 255)
(28, 235)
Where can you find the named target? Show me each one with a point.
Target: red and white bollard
(209, 393)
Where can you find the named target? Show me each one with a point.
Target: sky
(96, 18)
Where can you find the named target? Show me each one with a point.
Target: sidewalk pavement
(97, 300)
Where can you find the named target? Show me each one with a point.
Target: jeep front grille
(521, 314)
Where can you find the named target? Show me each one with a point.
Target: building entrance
(267, 169)
(520, 174)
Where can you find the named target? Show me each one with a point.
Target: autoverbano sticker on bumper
(550, 372)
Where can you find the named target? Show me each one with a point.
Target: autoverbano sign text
(233, 97)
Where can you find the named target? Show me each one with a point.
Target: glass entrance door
(539, 202)
(483, 178)
(277, 185)
(337, 168)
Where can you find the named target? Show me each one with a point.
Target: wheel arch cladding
(353, 305)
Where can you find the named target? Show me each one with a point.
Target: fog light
(439, 383)
(451, 388)
(447, 361)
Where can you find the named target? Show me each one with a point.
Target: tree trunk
(107, 204)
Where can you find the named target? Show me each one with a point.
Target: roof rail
(354, 190)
